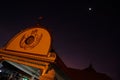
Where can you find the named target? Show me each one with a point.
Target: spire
(39, 19)
(90, 68)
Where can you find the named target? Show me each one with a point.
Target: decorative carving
(29, 41)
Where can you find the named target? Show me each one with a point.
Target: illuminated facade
(30, 52)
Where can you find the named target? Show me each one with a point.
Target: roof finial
(39, 20)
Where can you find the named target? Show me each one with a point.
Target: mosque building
(30, 56)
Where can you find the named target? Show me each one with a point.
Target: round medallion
(29, 40)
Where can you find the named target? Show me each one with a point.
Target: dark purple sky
(80, 36)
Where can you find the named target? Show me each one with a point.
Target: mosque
(29, 56)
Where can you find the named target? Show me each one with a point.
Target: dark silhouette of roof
(87, 74)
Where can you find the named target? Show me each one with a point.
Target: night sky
(84, 32)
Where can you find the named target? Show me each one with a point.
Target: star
(90, 8)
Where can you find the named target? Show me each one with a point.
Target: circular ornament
(29, 41)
